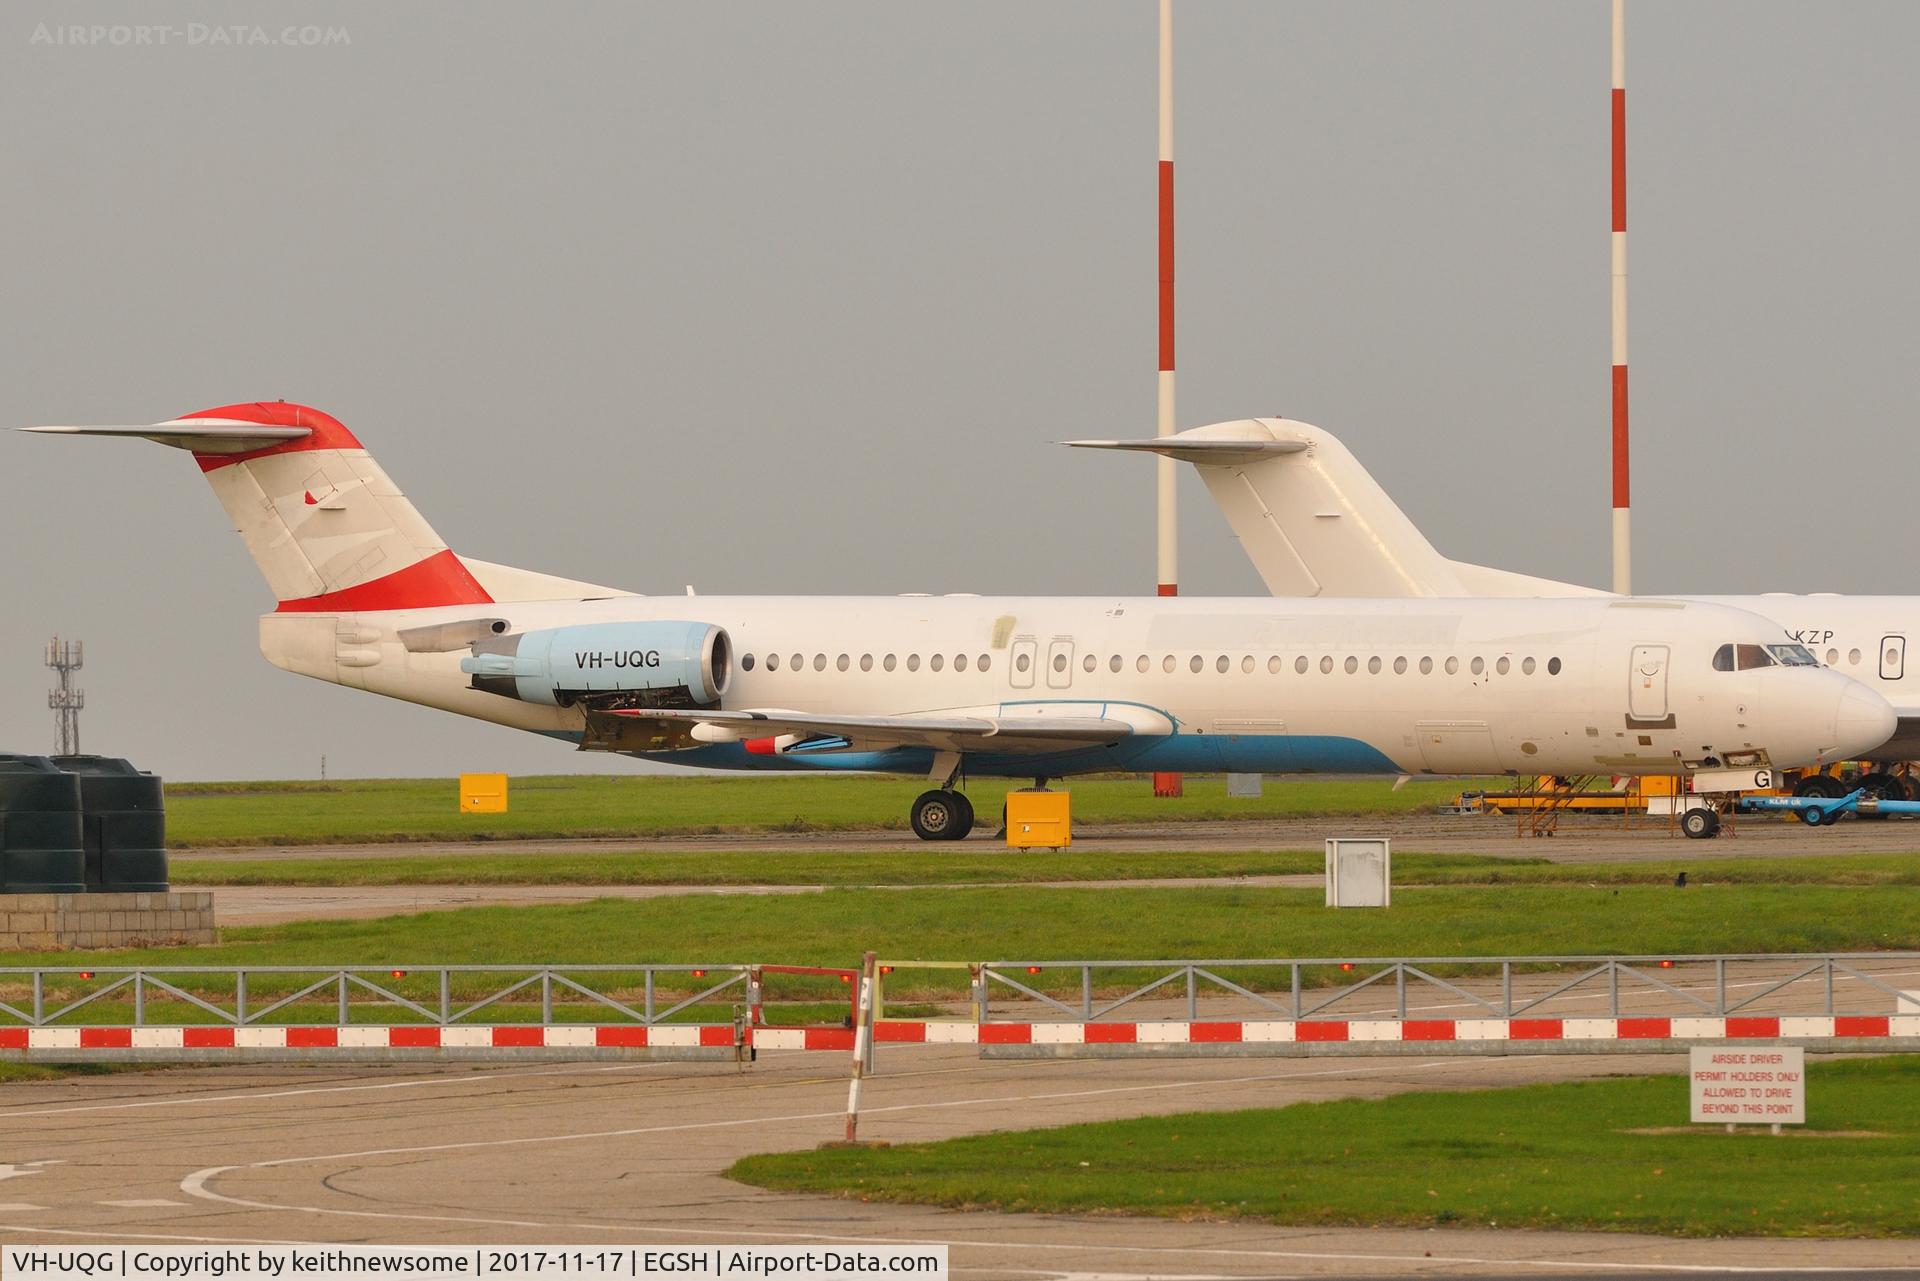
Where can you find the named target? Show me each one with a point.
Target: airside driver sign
(1750, 1087)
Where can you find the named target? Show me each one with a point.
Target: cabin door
(1647, 683)
(1893, 657)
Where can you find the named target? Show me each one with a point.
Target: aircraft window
(936, 661)
(913, 662)
(1352, 664)
(1246, 664)
(1021, 663)
(866, 662)
(1526, 667)
(1059, 662)
(1853, 656)
(1113, 664)
(1723, 659)
(1833, 656)
(746, 662)
(1300, 664)
(1220, 664)
(773, 662)
(1166, 664)
(1747, 657)
(1400, 666)
(1140, 663)
(1326, 664)
(1373, 665)
(1196, 662)
(1273, 665)
(799, 661)
(1553, 667)
(819, 662)
(1504, 666)
(1426, 666)
(887, 662)
(842, 663)
(1799, 655)
(1453, 665)
(985, 662)
(1088, 663)
(1479, 665)
(959, 662)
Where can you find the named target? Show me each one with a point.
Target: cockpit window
(1793, 655)
(1723, 659)
(1749, 656)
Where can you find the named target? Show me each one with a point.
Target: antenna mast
(66, 658)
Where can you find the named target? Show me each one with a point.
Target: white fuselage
(1394, 686)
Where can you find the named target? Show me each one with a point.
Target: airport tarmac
(634, 1153)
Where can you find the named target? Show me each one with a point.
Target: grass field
(302, 813)
(1031, 923)
(1551, 1156)
(991, 865)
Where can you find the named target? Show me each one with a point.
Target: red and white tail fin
(328, 528)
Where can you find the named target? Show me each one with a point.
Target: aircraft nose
(1862, 721)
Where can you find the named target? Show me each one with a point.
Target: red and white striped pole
(1166, 474)
(1622, 508)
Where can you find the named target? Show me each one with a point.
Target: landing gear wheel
(940, 815)
(1825, 786)
(1882, 787)
(963, 823)
(1700, 825)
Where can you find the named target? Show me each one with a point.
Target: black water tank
(125, 824)
(41, 844)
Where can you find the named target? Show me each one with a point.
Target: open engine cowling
(657, 664)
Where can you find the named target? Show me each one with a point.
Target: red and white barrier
(584, 1037)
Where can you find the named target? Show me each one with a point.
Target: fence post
(139, 999)
(1086, 992)
(446, 996)
(862, 1045)
(1193, 1007)
(979, 991)
(343, 998)
(240, 997)
(39, 998)
(546, 997)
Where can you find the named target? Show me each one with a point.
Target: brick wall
(48, 922)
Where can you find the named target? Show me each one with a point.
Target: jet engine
(606, 665)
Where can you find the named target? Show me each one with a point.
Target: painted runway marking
(156, 1203)
(27, 1167)
(19, 1207)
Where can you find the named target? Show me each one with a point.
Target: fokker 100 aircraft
(370, 597)
(1316, 523)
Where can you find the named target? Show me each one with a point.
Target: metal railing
(1483, 987)
(431, 995)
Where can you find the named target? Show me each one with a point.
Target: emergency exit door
(1025, 658)
(1647, 683)
(1060, 662)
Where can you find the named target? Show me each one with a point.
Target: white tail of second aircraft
(328, 528)
(1315, 522)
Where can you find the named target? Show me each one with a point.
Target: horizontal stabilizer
(201, 435)
(1206, 453)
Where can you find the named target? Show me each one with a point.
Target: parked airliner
(1316, 523)
(371, 597)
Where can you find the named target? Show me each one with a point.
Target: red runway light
(1033, 969)
(699, 974)
(886, 969)
(1666, 965)
(86, 974)
(399, 974)
(1346, 967)
(846, 978)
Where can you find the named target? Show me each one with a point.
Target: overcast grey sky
(795, 296)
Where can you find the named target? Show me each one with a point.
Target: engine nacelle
(661, 664)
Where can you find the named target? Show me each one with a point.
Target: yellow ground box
(1039, 820)
(483, 793)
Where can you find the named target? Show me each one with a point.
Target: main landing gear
(942, 815)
